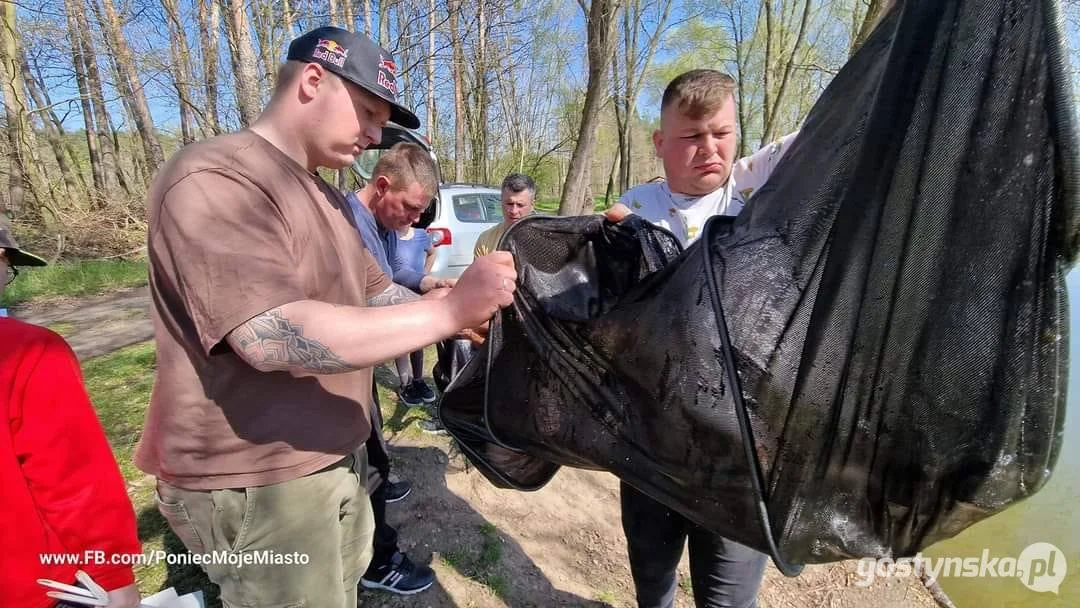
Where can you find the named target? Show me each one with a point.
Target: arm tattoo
(270, 342)
(394, 294)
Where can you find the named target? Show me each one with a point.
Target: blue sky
(148, 36)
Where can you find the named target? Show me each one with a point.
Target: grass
(685, 585)
(481, 564)
(550, 206)
(74, 279)
(119, 385)
(607, 597)
(399, 418)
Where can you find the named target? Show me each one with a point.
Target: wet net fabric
(867, 360)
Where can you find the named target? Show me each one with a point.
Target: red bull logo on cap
(388, 83)
(331, 52)
(387, 75)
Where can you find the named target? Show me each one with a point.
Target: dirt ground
(95, 326)
(560, 546)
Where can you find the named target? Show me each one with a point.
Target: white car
(456, 216)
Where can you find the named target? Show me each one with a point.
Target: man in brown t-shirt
(262, 296)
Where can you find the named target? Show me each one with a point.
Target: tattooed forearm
(270, 342)
(394, 294)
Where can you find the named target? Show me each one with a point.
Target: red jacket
(61, 491)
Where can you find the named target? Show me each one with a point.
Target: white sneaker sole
(399, 498)
(372, 585)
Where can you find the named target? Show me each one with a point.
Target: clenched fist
(485, 287)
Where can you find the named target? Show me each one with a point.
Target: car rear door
(471, 213)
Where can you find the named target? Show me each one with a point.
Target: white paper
(170, 599)
(161, 598)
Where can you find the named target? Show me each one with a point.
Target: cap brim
(18, 257)
(403, 116)
(398, 113)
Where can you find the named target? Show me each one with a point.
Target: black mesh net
(867, 360)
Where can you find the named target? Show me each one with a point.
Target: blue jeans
(723, 573)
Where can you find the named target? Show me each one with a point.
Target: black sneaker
(422, 389)
(410, 396)
(400, 576)
(398, 490)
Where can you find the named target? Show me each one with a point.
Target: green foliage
(694, 44)
(709, 39)
(550, 206)
(73, 279)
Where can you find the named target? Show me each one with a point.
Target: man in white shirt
(696, 142)
(701, 178)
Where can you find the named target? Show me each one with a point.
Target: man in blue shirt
(401, 188)
(402, 185)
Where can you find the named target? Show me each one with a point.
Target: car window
(478, 208)
(492, 207)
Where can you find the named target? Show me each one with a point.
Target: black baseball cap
(16, 256)
(358, 59)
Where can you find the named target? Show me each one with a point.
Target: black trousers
(386, 537)
(723, 573)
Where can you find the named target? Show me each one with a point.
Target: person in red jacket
(63, 498)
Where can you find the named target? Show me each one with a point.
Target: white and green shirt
(686, 215)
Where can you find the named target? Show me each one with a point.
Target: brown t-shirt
(238, 228)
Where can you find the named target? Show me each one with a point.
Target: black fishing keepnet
(867, 360)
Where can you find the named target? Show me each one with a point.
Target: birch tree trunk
(15, 114)
(181, 69)
(347, 16)
(129, 85)
(480, 127)
(432, 125)
(874, 10)
(238, 32)
(770, 131)
(637, 65)
(111, 178)
(457, 64)
(74, 185)
(263, 21)
(600, 28)
(384, 22)
(287, 20)
(209, 24)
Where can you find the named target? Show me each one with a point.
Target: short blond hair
(406, 163)
(698, 93)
